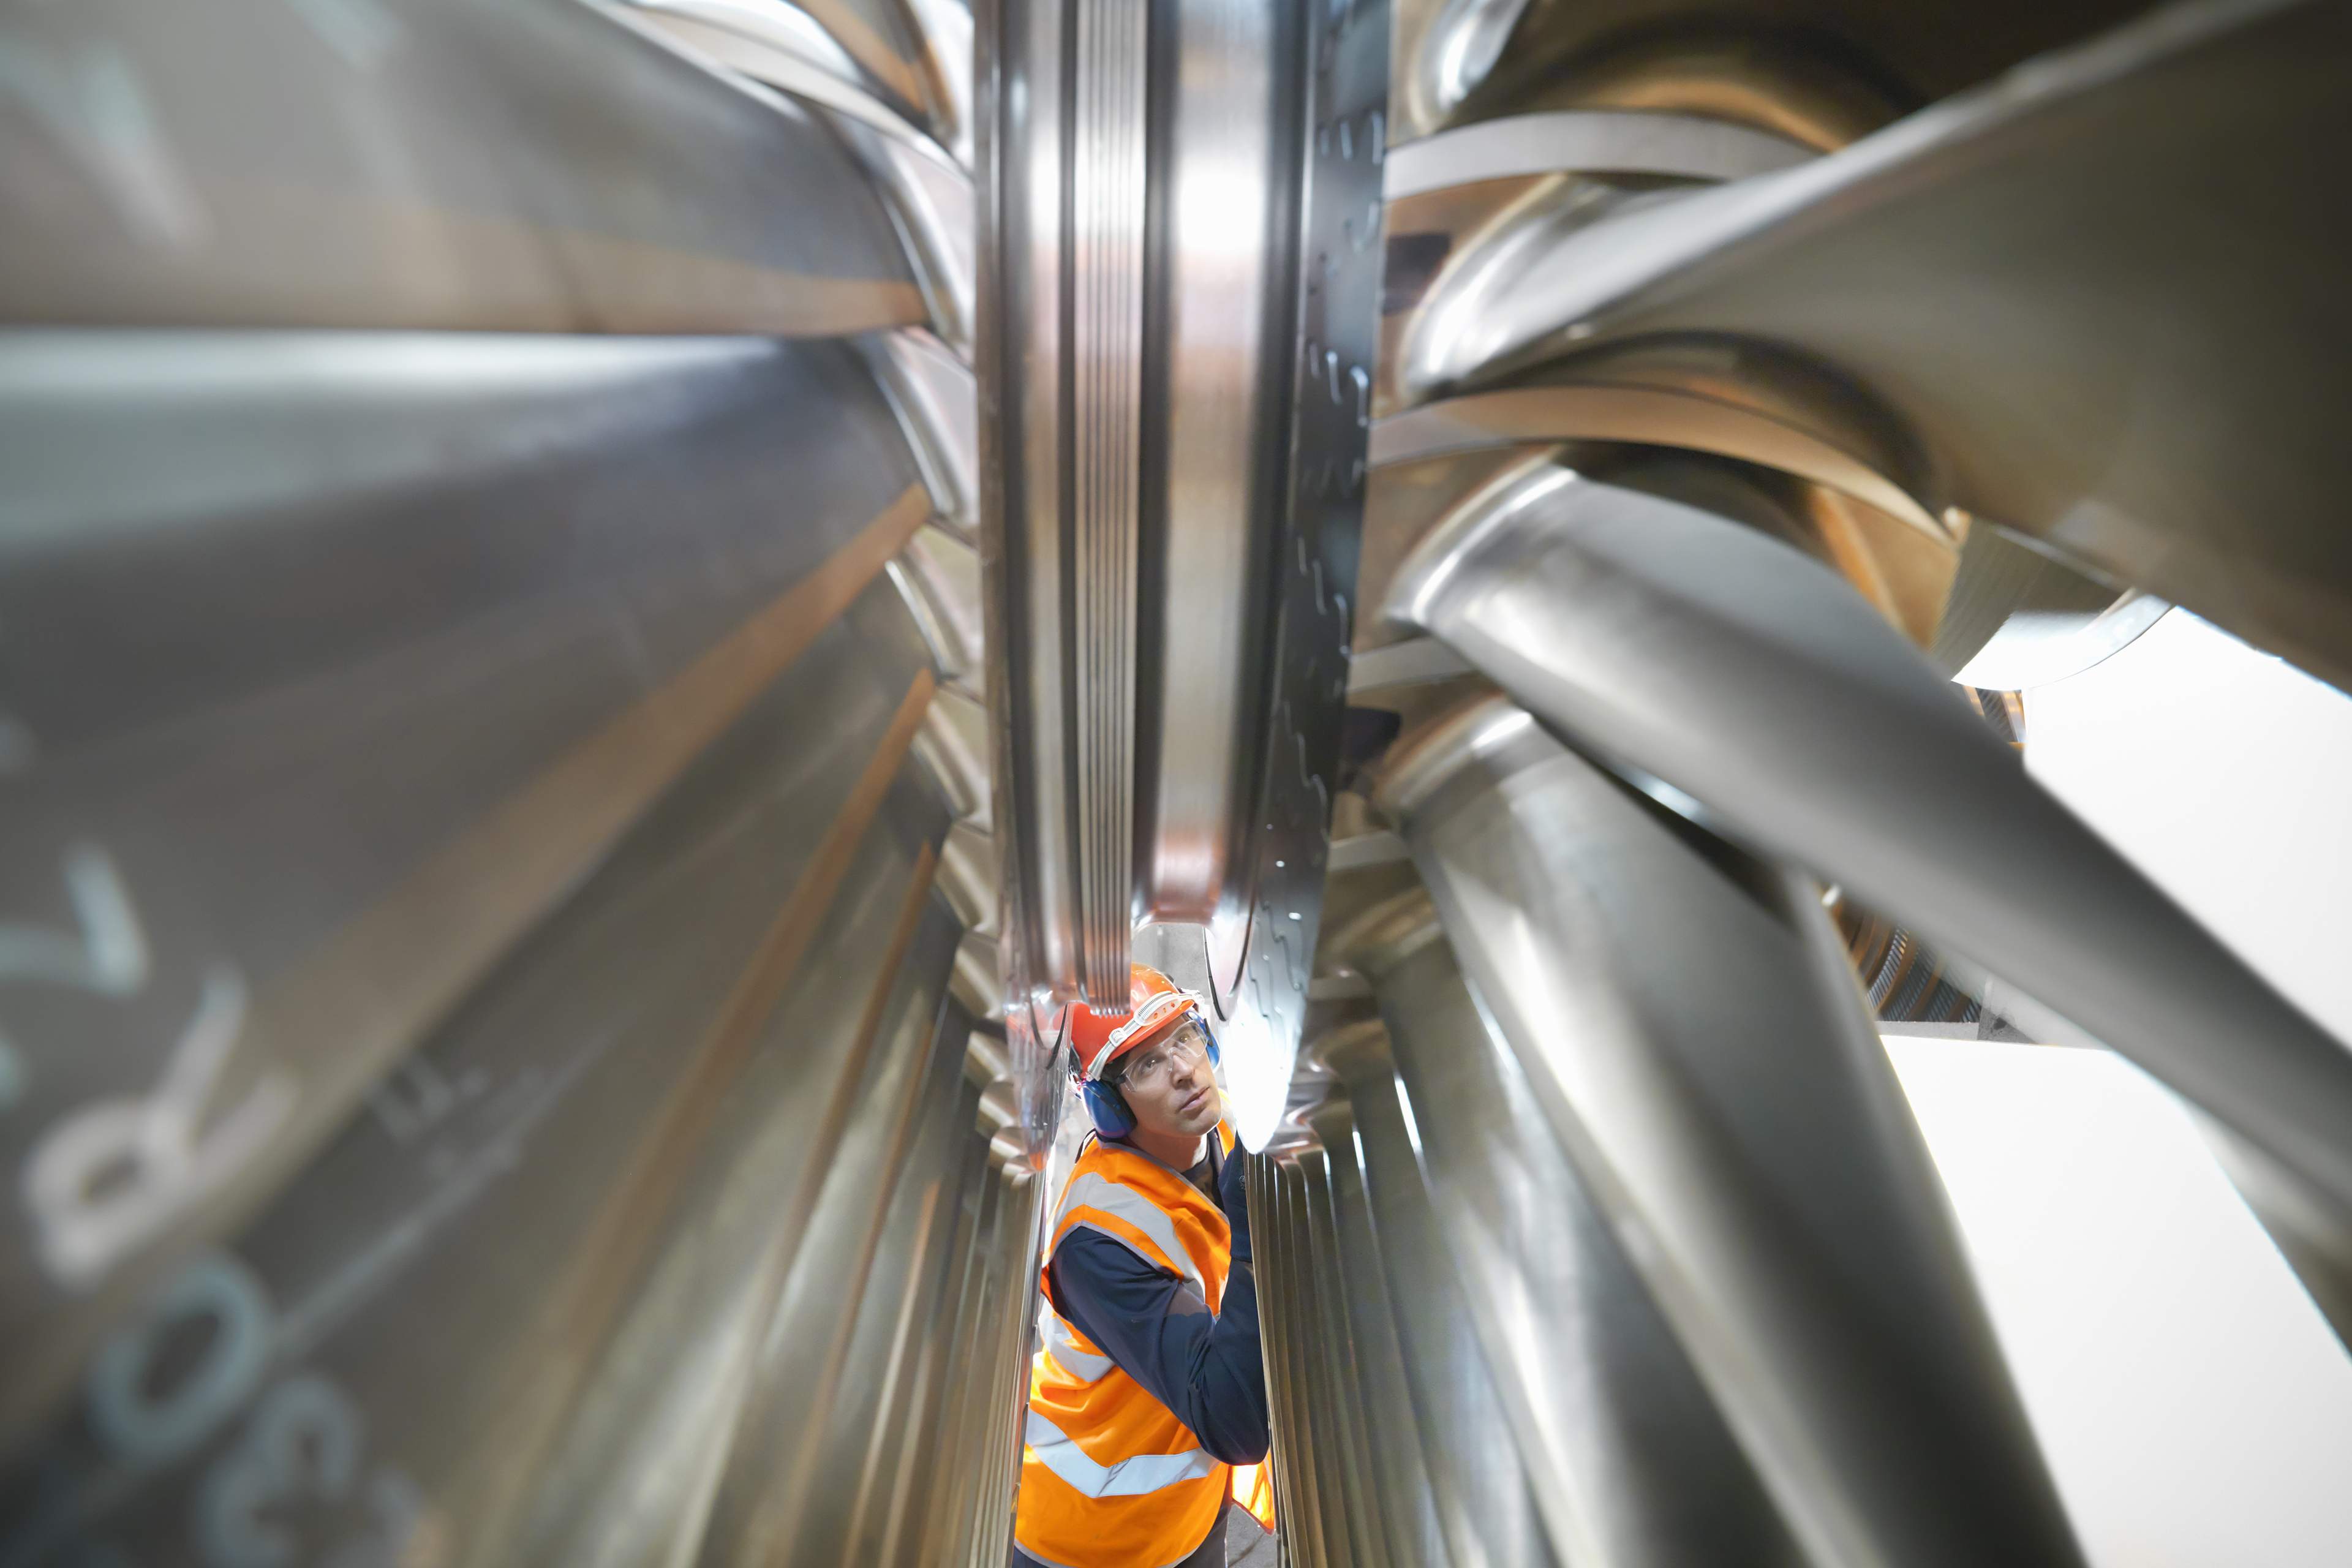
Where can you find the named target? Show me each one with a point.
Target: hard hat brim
(1146, 1022)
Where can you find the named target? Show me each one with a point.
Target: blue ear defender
(1109, 1107)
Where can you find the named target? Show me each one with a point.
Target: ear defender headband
(1112, 1119)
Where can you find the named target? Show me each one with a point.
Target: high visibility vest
(1110, 1476)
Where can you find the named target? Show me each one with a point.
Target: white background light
(2194, 1407)
(2227, 776)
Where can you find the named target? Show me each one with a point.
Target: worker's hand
(1232, 1193)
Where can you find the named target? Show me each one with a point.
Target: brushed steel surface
(504, 960)
(1335, 1417)
(955, 741)
(945, 30)
(1478, 1483)
(1007, 1335)
(1587, 141)
(939, 573)
(1199, 682)
(580, 1465)
(1102, 236)
(1905, 572)
(901, 46)
(934, 1532)
(486, 1267)
(1262, 1192)
(1626, 1457)
(1473, 210)
(1018, 354)
(948, 1467)
(904, 1467)
(1267, 1194)
(494, 819)
(849, 67)
(929, 194)
(531, 166)
(1225, 194)
(1412, 663)
(1405, 1512)
(1607, 409)
(792, 1466)
(1753, 61)
(1315, 1453)
(342, 660)
(931, 387)
(1685, 1018)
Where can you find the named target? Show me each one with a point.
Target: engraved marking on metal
(313, 1043)
(108, 957)
(90, 1214)
(151, 1426)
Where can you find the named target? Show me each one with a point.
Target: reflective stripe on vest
(1130, 1477)
(1084, 1365)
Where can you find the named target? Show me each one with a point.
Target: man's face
(1167, 1084)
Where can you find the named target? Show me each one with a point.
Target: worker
(1150, 1386)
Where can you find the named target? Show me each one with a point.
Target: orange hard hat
(1154, 1002)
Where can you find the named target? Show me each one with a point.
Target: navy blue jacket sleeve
(1206, 1367)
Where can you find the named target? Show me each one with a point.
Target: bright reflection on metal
(1258, 1077)
(930, 387)
(203, 454)
(2219, 770)
(2037, 648)
(1456, 52)
(1411, 1127)
(787, 25)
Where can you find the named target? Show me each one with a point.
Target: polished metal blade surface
(2113, 333)
(1687, 650)
(1686, 1021)
(1626, 1457)
(1750, 682)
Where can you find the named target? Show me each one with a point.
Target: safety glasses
(1148, 1068)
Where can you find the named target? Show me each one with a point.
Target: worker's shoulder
(1095, 1261)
